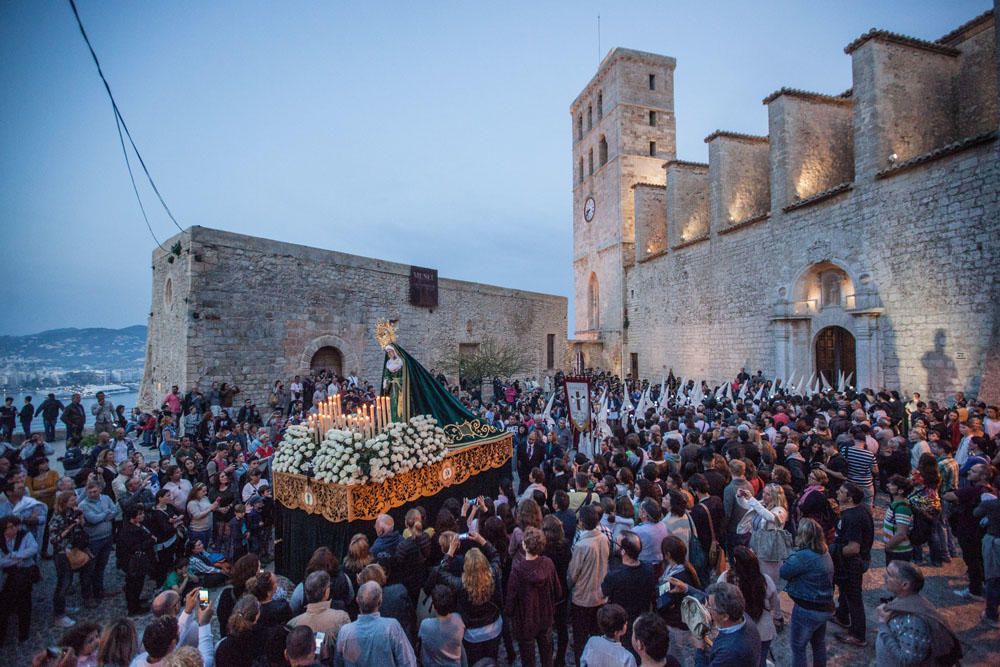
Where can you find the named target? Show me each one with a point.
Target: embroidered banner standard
(578, 402)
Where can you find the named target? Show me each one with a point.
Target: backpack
(922, 528)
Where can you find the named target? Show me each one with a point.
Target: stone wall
(688, 216)
(739, 184)
(251, 311)
(651, 214)
(910, 238)
(811, 147)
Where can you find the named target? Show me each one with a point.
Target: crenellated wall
(875, 211)
(688, 215)
(738, 180)
(651, 220)
(811, 147)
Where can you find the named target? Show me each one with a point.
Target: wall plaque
(423, 287)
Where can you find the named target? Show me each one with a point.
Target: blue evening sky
(428, 133)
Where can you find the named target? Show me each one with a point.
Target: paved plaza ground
(981, 644)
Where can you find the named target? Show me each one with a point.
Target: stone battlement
(912, 101)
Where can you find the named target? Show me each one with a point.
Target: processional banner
(578, 402)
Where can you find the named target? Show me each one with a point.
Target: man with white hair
(387, 539)
(372, 639)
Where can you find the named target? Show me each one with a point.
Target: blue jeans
(64, 577)
(93, 585)
(808, 628)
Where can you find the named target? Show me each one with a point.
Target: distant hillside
(75, 349)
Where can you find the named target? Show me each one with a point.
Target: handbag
(77, 558)
(696, 554)
(745, 526)
(771, 543)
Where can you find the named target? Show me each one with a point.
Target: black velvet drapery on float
(312, 513)
(299, 532)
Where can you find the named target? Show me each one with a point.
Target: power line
(135, 189)
(121, 125)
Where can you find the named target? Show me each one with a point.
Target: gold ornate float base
(337, 502)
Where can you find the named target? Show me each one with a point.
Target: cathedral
(858, 237)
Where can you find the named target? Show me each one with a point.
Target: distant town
(68, 361)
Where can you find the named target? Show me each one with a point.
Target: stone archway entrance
(327, 358)
(835, 354)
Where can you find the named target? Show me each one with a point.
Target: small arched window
(590, 162)
(580, 171)
(593, 303)
(590, 117)
(579, 126)
(602, 151)
(600, 105)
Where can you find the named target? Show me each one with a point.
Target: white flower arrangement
(344, 457)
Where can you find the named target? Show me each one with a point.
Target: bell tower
(623, 131)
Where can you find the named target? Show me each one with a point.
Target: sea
(126, 398)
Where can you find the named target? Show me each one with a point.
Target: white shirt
(179, 493)
(121, 451)
(249, 490)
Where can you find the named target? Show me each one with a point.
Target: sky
(435, 134)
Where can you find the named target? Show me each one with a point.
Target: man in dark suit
(75, 418)
(530, 455)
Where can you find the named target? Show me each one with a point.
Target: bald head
(166, 603)
(384, 524)
(369, 597)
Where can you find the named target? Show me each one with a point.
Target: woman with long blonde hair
(479, 596)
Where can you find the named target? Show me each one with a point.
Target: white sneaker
(65, 622)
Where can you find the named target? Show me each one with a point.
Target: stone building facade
(859, 235)
(245, 310)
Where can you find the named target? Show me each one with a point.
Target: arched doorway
(835, 354)
(327, 358)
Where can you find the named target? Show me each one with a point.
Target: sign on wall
(423, 287)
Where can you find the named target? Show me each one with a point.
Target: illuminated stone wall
(251, 311)
(893, 186)
(688, 216)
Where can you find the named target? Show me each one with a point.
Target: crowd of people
(670, 545)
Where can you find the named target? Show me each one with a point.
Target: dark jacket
(49, 409)
(732, 649)
(474, 615)
(387, 544)
(532, 592)
(74, 415)
(409, 566)
(134, 540)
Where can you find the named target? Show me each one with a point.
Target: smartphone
(320, 638)
(664, 587)
(463, 536)
(54, 651)
(203, 598)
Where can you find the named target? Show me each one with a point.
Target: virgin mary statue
(413, 391)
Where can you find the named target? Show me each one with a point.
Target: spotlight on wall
(893, 157)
